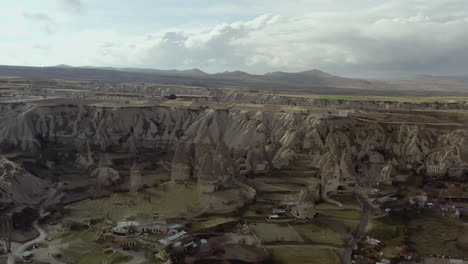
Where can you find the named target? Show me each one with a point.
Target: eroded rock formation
(19, 186)
(211, 147)
(306, 207)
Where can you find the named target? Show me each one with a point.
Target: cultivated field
(319, 234)
(424, 228)
(276, 233)
(295, 255)
(409, 99)
(350, 214)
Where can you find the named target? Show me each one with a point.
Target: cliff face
(127, 129)
(19, 186)
(213, 146)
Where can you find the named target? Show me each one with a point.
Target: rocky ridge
(213, 147)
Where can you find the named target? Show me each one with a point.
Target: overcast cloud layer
(365, 38)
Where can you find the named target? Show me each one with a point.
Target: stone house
(435, 172)
(458, 173)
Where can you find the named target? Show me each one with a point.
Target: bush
(171, 97)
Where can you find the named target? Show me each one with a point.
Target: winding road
(346, 254)
(18, 252)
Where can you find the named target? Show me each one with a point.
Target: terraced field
(276, 233)
(319, 234)
(295, 255)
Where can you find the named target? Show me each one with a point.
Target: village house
(290, 205)
(419, 200)
(435, 172)
(463, 213)
(372, 241)
(457, 173)
(174, 238)
(126, 228)
(160, 228)
(245, 229)
(273, 217)
(279, 211)
(151, 228)
(450, 211)
(27, 255)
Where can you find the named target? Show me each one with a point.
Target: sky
(356, 38)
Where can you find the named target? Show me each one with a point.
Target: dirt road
(346, 254)
(18, 252)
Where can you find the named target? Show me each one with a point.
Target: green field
(427, 232)
(341, 214)
(254, 210)
(434, 234)
(319, 234)
(409, 99)
(350, 224)
(303, 255)
(275, 233)
(213, 222)
(81, 247)
(173, 201)
(348, 200)
(390, 229)
(99, 256)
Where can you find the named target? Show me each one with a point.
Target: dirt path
(303, 246)
(18, 252)
(201, 211)
(346, 254)
(335, 226)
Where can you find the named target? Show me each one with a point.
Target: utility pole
(135, 177)
(5, 230)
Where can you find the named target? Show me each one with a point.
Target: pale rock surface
(205, 144)
(19, 186)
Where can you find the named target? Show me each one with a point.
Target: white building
(125, 227)
(171, 239)
(343, 114)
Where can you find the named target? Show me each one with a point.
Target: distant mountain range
(434, 83)
(313, 81)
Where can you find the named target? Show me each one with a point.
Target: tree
(23, 220)
(171, 97)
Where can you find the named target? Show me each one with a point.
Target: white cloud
(42, 20)
(394, 37)
(72, 6)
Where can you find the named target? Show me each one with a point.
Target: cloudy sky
(360, 38)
